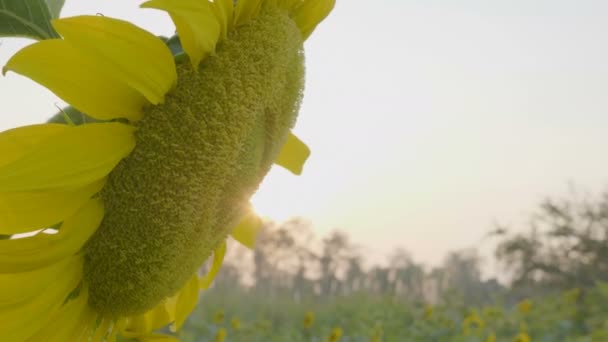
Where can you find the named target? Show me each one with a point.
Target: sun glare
(279, 199)
(268, 206)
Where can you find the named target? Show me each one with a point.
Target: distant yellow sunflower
(335, 335)
(524, 306)
(309, 319)
(522, 337)
(472, 323)
(127, 208)
(220, 336)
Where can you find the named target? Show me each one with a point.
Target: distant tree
(290, 261)
(336, 257)
(566, 245)
(408, 276)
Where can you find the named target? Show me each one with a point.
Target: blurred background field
(568, 316)
(297, 287)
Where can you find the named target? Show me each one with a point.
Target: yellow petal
(161, 315)
(69, 323)
(186, 301)
(137, 324)
(77, 79)
(28, 211)
(20, 321)
(218, 258)
(224, 12)
(83, 327)
(17, 142)
(30, 253)
(247, 230)
(196, 24)
(118, 327)
(308, 15)
(288, 5)
(246, 10)
(198, 40)
(17, 287)
(293, 155)
(77, 156)
(132, 55)
(51, 206)
(101, 331)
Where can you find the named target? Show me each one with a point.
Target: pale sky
(427, 120)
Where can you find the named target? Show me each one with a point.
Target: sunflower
(121, 211)
(309, 320)
(335, 335)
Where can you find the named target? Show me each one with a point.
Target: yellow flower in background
(123, 211)
(309, 319)
(524, 306)
(218, 318)
(235, 323)
(472, 322)
(522, 337)
(220, 336)
(335, 335)
(377, 334)
(491, 338)
(428, 312)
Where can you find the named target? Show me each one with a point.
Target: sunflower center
(198, 159)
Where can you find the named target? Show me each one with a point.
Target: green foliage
(175, 45)
(70, 115)
(29, 18)
(574, 315)
(55, 7)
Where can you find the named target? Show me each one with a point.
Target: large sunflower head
(127, 205)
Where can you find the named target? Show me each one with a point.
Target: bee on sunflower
(120, 212)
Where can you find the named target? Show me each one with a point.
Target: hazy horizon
(428, 121)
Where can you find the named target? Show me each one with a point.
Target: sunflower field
(573, 315)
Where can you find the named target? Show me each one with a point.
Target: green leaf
(29, 18)
(55, 7)
(175, 45)
(71, 115)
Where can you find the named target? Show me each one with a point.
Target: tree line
(565, 246)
